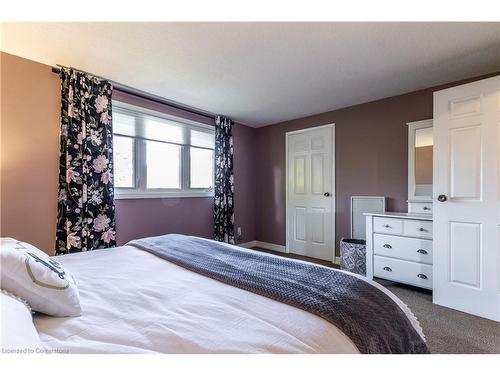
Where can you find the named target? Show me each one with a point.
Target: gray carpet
(447, 331)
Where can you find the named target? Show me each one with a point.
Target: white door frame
(287, 135)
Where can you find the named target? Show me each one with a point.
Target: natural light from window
(123, 159)
(156, 155)
(163, 165)
(202, 168)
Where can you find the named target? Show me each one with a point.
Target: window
(123, 156)
(156, 155)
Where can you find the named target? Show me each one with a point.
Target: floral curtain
(86, 211)
(224, 181)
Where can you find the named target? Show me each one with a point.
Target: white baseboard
(271, 246)
(247, 245)
(274, 247)
(263, 245)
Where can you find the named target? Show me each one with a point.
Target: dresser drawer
(412, 273)
(420, 208)
(414, 249)
(418, 228)
(387, 225)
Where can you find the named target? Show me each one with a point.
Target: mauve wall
(136, 218)
(244, 143)
(30, 117)
(371, 153)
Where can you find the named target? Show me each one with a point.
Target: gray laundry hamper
(353, 255)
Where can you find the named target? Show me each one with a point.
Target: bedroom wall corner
(244, 139)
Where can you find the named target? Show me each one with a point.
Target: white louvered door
(310, 195)
(466, 198)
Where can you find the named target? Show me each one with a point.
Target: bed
(136, 302)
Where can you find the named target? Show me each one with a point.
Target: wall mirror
(420, 148)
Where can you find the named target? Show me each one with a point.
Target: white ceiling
(263, 73)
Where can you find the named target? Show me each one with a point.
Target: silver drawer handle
(387, 226)
(422, 230)
(388, 269)
(387, 246)
(422, 251)
(422, 276)
(425, 208)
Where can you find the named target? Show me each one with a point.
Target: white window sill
(163, 194)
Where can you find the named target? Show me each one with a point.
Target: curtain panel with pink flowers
(224, 181)
(86, 210)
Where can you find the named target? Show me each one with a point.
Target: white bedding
(135, 302)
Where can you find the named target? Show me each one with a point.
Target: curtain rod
(144, 95)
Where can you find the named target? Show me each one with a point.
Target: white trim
(134, 194)
(369, 247)
(332, 125)
(333, 195)
(412, 127)
(273, 247)
(287, 224)
(247, 245)
(263, 245)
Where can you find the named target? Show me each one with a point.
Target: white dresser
(399, 247)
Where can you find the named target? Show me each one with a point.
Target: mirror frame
(412, 128)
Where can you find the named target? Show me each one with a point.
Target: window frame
(140, 190)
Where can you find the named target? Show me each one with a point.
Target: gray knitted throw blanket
(369, 317)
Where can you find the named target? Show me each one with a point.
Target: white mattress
(135, 302)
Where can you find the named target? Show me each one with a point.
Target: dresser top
(400, 215)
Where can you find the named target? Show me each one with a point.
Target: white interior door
(310, 192)
(466, 194)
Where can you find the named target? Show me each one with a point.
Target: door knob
(327, 194)
(442, 198)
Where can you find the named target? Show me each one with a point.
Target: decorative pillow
(19, 334)
(31, 274)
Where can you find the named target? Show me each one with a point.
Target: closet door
(466, 196)
(310, 192)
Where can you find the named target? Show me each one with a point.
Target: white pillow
(19, 334)
(31, 274)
